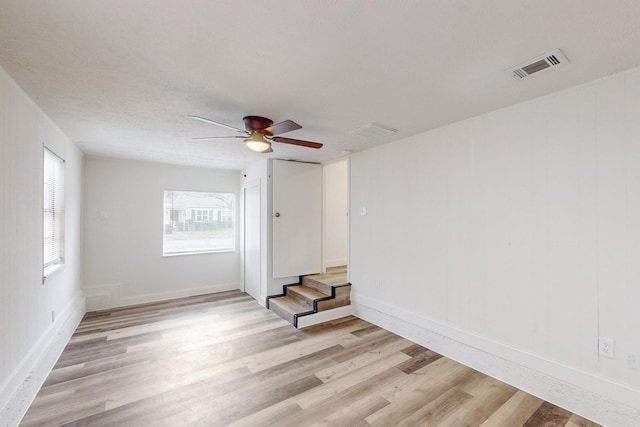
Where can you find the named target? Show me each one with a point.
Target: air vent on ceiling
(374, 130)
(548, 60)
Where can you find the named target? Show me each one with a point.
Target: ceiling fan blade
(282, 127)
(211, 122)
(297, 142)
(218, 137)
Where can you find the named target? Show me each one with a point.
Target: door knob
(277, 214)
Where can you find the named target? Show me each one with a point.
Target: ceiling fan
(260, 133)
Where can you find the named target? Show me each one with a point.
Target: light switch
(362, 211)
(103, 216)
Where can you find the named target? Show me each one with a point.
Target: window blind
(53, 209)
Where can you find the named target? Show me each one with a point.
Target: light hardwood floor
(222, 359)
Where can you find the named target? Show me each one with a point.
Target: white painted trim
(110, 296)
(262, 300)
(338, 262)
(325, 316)
(20, 389)
(596, 398)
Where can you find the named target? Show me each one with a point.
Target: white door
(252, 240)
(297, 218)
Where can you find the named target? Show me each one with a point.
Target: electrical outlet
(605, 347)
(633, 361)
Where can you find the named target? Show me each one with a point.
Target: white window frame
(202, 215)
(197, 215)
(52, 212)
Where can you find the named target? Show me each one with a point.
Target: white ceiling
(120, 76)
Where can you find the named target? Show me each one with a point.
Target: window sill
(219, 251)
(51, 270)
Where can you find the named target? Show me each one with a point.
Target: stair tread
(328, 279)
(289, 304)
(307, 292)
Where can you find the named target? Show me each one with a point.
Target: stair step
(325, 316)
(305, 295)
(338, 301)
(328, 279)
(329, 292)
(287, 307)
(317, 285)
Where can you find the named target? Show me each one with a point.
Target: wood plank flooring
(222, 359)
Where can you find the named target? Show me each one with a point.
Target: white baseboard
(262, 301)
(22, 386)
(586, 394)
(324, 316)
(103, 297)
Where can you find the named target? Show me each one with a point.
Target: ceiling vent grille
(548, 60)
(375, 130)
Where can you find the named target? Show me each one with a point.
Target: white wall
(123, 253)
(515, 234)
(36, 319)
(335, 207)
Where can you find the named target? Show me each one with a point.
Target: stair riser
(320, 287)
(342, 291)
(334, 303)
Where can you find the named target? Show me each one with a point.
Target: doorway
(335, 214)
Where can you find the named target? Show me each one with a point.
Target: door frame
(251, 185)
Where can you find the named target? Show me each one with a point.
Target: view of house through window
(53, 210)
(196, 222)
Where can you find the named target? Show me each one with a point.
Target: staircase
(329, 293)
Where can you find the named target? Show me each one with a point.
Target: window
(53, 210)
(202, 215)
(198, 222)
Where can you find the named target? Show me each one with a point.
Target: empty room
(306, 213)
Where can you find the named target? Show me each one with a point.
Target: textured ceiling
(120, 76)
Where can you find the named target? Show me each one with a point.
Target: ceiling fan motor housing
(257, 124)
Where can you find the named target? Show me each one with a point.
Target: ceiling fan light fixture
(257, 142)
(261, 132)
